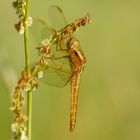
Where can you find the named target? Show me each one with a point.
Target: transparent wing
(57, 18)
(58, 73)
(56, 78)
(40, 30)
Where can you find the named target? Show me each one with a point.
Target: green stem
(27, 58)
(27, 61)
(29, 112)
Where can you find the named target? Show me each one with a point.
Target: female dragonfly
(66, 60)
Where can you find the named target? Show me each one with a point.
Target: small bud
(45, 42)
(40, 74)
(24, 3)
(23, 136)
(12, 108)
(14, 4)
(21, 31)
(30, 21)
(34, 88)
(28, 87)
(14, 127)
(20, 27)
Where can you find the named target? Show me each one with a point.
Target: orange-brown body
(78, 61)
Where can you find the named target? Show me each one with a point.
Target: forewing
(57, 18)
(40, 30)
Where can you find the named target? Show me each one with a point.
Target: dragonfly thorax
(73, 44)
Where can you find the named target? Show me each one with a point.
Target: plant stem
(27, 58)
(27, 61)
(29, 112)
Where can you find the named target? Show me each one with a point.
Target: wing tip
(57, 7)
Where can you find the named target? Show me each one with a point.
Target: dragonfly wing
(58, 73)
(40, 30)
(56, 78)
(57, 18)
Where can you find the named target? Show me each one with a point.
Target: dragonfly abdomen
(75, 82)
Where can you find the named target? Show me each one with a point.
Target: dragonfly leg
(65, 56)
(61, 47)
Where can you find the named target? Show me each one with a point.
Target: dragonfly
(64, 55)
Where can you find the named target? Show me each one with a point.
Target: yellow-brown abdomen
(74, 100)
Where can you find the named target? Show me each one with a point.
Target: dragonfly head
(73, 44)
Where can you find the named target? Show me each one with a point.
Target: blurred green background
(109, 97)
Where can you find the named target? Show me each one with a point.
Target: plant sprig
(26, 82)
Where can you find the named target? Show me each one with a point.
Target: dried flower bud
(45, 42)
(30, 21)
(23, 136)
(40, 74)
(15, 127)
(14, 4)
(27, 87)
(20, 27)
